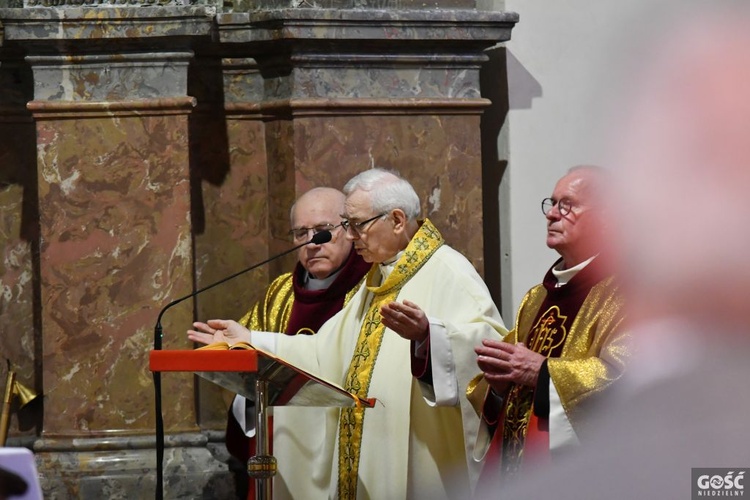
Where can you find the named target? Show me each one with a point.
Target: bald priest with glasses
(404, 447)
(569, 344)
(298, 303)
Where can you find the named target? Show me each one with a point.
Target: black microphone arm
(317, 239)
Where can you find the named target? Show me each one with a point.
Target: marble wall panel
(18, 283)
(66, 22)
(428, 30)
(230, 193)
(281, 164)
(233, 235)
(228, 160)
(242, 81)
(123, 467)
(19, 231)
(385, 78)
(110, 77)
(116, 247)
(439, 154)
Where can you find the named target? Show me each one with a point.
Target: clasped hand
(504, 364)
(219, 330)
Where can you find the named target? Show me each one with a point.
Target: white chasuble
(404, 447)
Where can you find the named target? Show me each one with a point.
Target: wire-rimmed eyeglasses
(359, 227)
(302, 233)
(563, 206)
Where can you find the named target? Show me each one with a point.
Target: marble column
(113, 181)
(19, 240)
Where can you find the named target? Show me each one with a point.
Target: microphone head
(320, 238)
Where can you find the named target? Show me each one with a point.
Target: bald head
(577, 235)
(686, 171)
(319, 198)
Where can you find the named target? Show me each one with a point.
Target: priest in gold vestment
(404, 447)
(568, 346)
(323, 281)
(569, 343)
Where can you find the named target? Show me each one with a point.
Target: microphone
(318, 238)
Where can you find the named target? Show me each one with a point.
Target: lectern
(265, 379)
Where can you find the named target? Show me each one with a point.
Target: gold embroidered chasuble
(420, 249)
(592, 357)
(586, 351)
(406, 447)
(271, 313)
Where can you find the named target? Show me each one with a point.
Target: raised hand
(407, 319)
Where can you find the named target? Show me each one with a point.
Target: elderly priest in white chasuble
(406, 446)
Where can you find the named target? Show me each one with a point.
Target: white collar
(387, 267)
(565, 275)
(314, 284)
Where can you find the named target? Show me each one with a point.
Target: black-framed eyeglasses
(302, 233)
(359, 227)
(564, 206)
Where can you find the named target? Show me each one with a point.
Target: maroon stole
(521, 434)
(312, 308)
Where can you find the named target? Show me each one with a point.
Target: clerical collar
(314, 284)
(563, 276)
(387, 267)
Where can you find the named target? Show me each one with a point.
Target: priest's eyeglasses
(301, 233)
(564, 206)
(359, 227)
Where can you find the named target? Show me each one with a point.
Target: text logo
(719, 483)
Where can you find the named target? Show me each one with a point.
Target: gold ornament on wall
(13, 389)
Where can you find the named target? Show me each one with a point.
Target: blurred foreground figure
(685, 174)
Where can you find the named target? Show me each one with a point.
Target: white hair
(388, 191)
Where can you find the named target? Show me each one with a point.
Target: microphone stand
(317, 239)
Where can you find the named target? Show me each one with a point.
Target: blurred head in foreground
(684, 172)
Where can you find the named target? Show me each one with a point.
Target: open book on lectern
(288, 385)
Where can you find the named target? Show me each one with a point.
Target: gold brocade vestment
(579, 328)
(271, 313)
(546, 337)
